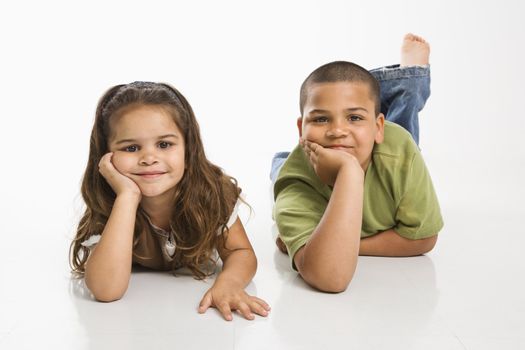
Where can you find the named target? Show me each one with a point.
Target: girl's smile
(151, 174)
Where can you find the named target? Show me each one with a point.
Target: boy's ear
(300, 126)
(380, 124)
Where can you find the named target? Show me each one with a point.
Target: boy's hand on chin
(328, 163)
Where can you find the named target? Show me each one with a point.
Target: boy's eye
(354, 118)
(164, 144)
(320, 119)
(131, 148)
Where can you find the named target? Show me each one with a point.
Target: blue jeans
(404, 91)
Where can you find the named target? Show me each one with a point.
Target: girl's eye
(164, 144)
(131, 149)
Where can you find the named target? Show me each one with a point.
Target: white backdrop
(240, 64)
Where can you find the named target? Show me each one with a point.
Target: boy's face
(341, 116)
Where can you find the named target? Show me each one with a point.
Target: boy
(357, 184)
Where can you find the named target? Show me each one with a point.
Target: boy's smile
(341, 116)
(148, 148)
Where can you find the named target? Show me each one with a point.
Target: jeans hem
(396, 72)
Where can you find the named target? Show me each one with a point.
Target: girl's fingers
(245, 310)
(105, 158)
(224, 309)
(205, 303)
(105, 166)
(263, 303)
(258, 308)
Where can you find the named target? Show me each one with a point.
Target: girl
(154, 199)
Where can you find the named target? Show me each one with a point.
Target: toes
(409, 36)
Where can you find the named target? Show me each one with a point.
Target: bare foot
(414, 51)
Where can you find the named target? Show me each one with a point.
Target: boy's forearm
(108, 268)
(390, 243)
(239, 268)
(328, 260)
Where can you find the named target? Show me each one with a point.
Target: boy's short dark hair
(341, 71)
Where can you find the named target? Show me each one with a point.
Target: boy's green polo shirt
(398, 193)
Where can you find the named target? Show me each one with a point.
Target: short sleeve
(91, 242)
(235, 213)
(418, 215)
(298, 210)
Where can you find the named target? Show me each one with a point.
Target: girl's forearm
(239, 268)
(108, 268)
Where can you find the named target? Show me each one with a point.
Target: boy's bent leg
(404, 91)
(277, 162)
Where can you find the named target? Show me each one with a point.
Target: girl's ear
(300, 126)
(380, 124)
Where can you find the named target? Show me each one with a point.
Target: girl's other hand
(120, 183)
(227, 299)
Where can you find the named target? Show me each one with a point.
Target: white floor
(240, 64)
(466, 294)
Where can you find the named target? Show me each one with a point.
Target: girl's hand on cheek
(121, 184)
(227, 298)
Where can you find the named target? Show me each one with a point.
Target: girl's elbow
(104, 293)
(107, 296)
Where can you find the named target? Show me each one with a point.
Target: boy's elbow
(335, 282)
(334, 285)
(428, 244)
(329, 278)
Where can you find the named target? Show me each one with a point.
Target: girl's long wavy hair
(204, 198)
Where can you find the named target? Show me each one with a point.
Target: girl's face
(148, 147)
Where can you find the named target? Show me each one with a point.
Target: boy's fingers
(306, 148)
(315, 147)
(313, 157)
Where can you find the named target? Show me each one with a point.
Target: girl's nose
(148, 158)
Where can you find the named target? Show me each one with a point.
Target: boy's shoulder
(392, 160)
(397, 143)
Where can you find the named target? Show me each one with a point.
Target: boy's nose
(337, 130)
